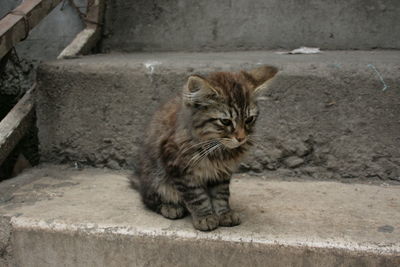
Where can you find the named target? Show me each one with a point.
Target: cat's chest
(210, 170)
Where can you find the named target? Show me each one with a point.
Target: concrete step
(330, 115)
(250, 24)
(60, 216)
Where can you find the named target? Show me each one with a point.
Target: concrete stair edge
(99, 229)
(58, 214)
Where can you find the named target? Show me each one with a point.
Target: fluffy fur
(196, 141)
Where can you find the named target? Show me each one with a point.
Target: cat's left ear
(197, 89)
(259, 77)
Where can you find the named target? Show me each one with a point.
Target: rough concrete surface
(6, 258)
(190, 25)
(92, 217)
(325, 115)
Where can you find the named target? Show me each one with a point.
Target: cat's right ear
(260, 77)
(197, 89)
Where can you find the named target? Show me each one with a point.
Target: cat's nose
(240, 139)
(240, 135)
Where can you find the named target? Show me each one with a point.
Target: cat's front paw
(206, 223)
(230, 218)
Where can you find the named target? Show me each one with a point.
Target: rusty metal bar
(15, 26)
(16, 124)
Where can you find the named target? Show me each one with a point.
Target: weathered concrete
(66, 217)
(6, 258)
(325, 115)
(183, 25)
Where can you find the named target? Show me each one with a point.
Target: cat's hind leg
(173, 211)
(151, 199)
(170, 210)
(171, 203)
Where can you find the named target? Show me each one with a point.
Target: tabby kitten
(194, 144)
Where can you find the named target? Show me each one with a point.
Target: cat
(195, 142)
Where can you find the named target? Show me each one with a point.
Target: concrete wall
(146, 25)
(325, 116)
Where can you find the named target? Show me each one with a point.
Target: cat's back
(164, 120)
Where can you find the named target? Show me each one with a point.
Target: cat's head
(223, 105)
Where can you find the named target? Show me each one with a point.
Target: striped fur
(196, 141)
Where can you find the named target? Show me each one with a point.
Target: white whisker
(208, 152)
(196, 145)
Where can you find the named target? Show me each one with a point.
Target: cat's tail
(134, 179)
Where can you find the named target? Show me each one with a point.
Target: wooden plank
(88, 37)
(16, 124)
(16, 25)
(95, 12)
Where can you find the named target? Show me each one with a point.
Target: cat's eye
(226, 122)
(250, 119)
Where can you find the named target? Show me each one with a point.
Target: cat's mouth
(232, 143)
